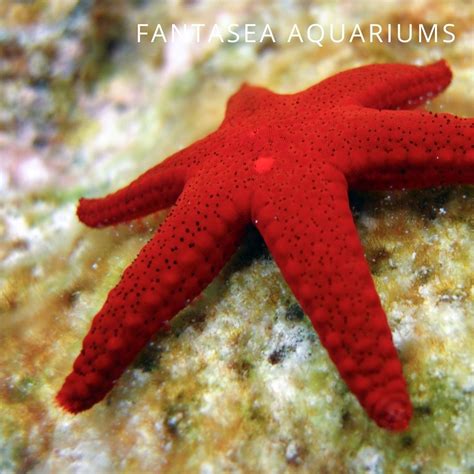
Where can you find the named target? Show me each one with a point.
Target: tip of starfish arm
(78, 395)
(444, 70)
(441, 62)
(64, 400)
(86, 213)
(393, 413)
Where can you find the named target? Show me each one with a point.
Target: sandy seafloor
(241, 383)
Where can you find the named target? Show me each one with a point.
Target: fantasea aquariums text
(315, 33)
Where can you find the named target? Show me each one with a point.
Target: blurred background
(241, 383)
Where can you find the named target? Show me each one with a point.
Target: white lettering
(399, 33)
(232, 31)
(433, 31)
(267, 33)
(332, 34)
(141, 33)
(357, 33)
(159, 33)
(295, 33)
(374, 33)
(450, 33)
(215, 34)
(315, 40)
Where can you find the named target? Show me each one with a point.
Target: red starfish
(284, 163)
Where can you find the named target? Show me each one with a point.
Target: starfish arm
(406, 149)
(246, 101)
(184, 256)
(383, 86)
(156, 189)
(148, 193)
(312, 237)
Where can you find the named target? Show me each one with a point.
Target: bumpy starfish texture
(283, 163)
